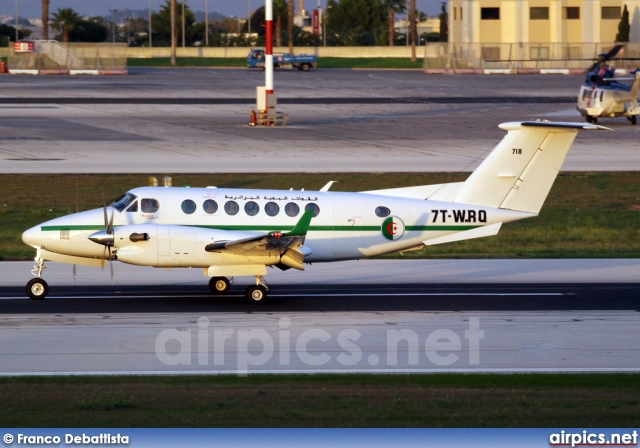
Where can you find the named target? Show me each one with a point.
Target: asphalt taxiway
(195, 120)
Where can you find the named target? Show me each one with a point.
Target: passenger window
(271, 208)
(251, 208)
(188, 206)
(134, 207)
(314, 207)
(210, 206)
(291, 209)
(149, 205)
(382, 212)
(231, 208)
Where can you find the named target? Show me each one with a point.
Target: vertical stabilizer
(519, 172)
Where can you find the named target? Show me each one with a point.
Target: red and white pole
(268, 43)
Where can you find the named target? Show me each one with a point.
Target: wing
(289, 245)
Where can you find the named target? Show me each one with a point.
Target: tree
(45, 19)
(414, 28)
(393, 6)
(161, 24)
(8, 33)
(444, 24)
(88, 31)
(280, 10)
(66, 20)
(623, 27)
(290, 26)
(356, 22)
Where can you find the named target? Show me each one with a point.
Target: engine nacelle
(181, 246)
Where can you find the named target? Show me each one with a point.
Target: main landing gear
(255, 293)
(37, 288)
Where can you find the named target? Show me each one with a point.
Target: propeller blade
(111, 265)
(110, 224)
(74, 272)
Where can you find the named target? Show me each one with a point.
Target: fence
(55, 56)
(517, 56)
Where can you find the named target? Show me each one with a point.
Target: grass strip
(587, 215)
(343, 400)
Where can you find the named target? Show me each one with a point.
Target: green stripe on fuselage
(286, 228)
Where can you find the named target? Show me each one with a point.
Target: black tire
(588, 119)
(256, 294)
(219, 285)
(633, 119)
(37, 289)
(305, 67)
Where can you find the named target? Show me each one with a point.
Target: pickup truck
(303, 62)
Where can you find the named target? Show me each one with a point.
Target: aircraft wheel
(589, 119)
(256, 294)
(219, 285)
(305, 67)
(37, 289)
(633, 119)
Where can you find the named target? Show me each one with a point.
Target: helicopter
(603, 95)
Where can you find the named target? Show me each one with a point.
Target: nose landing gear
(37, 288)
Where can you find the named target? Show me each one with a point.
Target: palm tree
(280, 9)
(290, 25)
(414, 28)
(66, 20)
(393, 6)
(45, 19)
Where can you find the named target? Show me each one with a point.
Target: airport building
(540, 21)
(532, 34)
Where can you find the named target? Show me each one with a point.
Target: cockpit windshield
(123, 201)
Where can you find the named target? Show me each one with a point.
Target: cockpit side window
(123, 201)
(133, 207)
(149, 205)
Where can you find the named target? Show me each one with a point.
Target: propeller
(105, 237)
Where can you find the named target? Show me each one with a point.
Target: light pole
(150, 31)
(17, 21)
(128, 19)
(325, 19)
(172, 5)
(113, 24)
(183, 43)
(206, 23)
(249, 16)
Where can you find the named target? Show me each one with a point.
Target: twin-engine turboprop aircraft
(239, 232)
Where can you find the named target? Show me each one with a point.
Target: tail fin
(519, 172)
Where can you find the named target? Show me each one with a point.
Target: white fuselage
(347, 226)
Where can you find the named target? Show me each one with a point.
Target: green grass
(346, 400)
(378, 63)
(587, 215)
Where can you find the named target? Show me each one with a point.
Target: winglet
(302, 226)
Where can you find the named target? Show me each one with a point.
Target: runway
(323, 322)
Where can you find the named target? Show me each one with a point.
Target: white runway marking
(391, 294)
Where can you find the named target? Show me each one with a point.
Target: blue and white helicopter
(603, 95)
